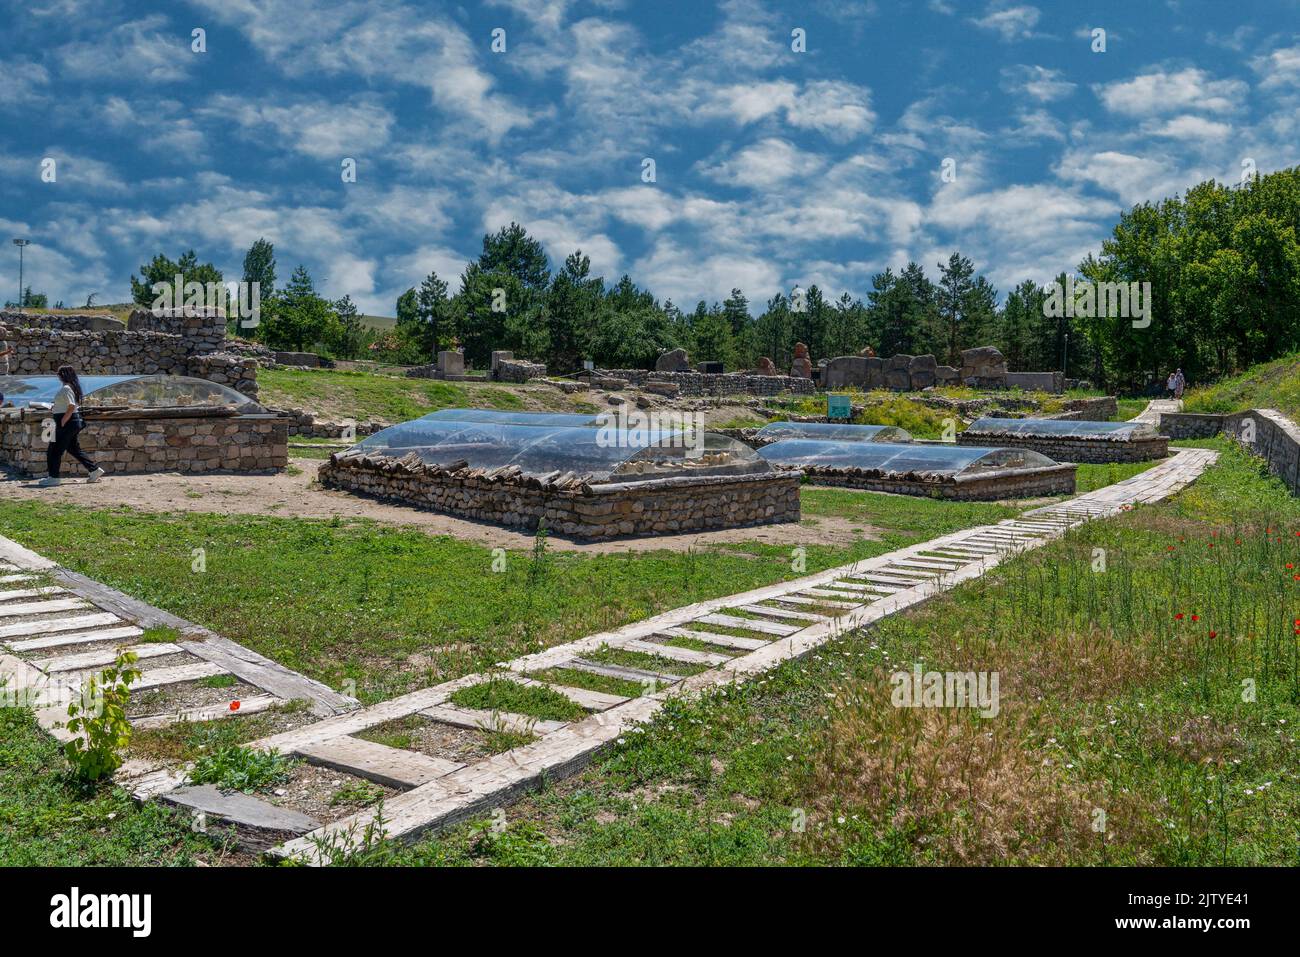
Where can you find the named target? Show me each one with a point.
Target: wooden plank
(212, 712)
(161, 677)
(689, 655)
(17, 593)
(51, 625)
(821, 603)
(749, 624)
(42, 607)
(104, 657)
(828, 593)
(639, 675)
(66, 639)
(491, 720)
(726, 641)
(392, 767)
(14, 579)
(240, 809)
(782, 613)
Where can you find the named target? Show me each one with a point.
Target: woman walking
(67, 423)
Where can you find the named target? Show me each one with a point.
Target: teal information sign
(838, 407)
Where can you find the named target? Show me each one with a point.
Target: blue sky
(772, 167)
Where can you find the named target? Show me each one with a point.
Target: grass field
(1125, 734)
(1272, 385)
(337, 394)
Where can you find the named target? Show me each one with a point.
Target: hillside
(1270, 385)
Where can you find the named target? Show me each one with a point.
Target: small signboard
(588, 364)
(838, 407)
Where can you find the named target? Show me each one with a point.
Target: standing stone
(801, 368)
(765, 366)
(451, 363)
(922, 370)
(675, 360)
(875, 372)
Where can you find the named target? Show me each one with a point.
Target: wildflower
(1196, 618)
(1178, 617)
(1214, 634)
(234, 706)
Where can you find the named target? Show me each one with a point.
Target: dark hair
(68, 376)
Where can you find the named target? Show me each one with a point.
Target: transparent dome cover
(834, 431)
(1071, 428)
(503, 417)
(128, 391)
(601, 454)
(899, 458)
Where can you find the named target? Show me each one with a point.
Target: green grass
(236, 768)
(502, 694)
(573, 678)
(363, 396)
(1108, 702)
(1129, 408)
(1270, 385)
(392, 609)
(46, 820)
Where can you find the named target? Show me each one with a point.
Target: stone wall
(202, 333)
(990, 486)
(1036, 381)
(303, 423)
(1100, 409)
(81, 322)
(711, 383)
(42, 351)
(148, 441)
(571, 507)
(902, 373)
(1263, 432)
(1190, 425)
(1064, 449)
(518, 370)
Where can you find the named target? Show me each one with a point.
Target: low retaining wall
(1064, 449)
(152, 441)
(1190, 425)
(1011, 483)
(713, 383)
(303, 423)
(80, 322)
(1263, 432)
(569, 505)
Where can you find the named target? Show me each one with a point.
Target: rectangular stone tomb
(585, 481)
(1071, 440)
(937, 470)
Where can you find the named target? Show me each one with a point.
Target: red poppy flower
(1196, 618)
(1214, 634)
(234, 706)
(1289, 565)
(1171, 548)
(1178, 617)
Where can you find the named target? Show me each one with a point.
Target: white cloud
(141, 50)
(1161, 91)
(765, 164)
(319, 128)
(1194, 128)
(1036, 82)
(1279, 69)
(1010, 23)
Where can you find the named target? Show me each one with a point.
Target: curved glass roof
(899, 458)
(1072, 428)
(834, 431)
(130, 391)
(517, 418)
(613, 454)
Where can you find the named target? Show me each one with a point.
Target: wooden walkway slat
(392, 767)
(491, 720)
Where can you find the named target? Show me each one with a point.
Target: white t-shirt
(65, 398)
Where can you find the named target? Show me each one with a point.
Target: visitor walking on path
(1180, 384)
(1171, 384)
(67, 423)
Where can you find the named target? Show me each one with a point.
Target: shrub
(99, 718)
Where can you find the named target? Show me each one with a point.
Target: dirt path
(299, 496)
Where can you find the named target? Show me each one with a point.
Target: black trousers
(65, 440)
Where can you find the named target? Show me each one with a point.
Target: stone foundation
(986, 487)
(1190, 425)
(571, 506)
(1062, 449)
(1263, 432)
(144, 441)
(712, 383)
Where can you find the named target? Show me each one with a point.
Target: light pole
(21, 244)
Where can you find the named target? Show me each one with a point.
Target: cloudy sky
(772, 167)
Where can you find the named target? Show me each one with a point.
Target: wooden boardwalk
(776, 623)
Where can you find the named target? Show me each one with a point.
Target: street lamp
(21, 244)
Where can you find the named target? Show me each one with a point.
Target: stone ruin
(450, 367)
(187, 439)
(902, 373)
(801, 367)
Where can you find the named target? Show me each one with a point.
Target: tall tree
(259, 267)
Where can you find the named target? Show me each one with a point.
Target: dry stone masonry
(568, 503)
